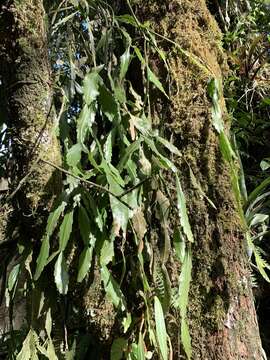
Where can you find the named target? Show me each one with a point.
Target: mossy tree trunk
(222, 316)
(26, 84)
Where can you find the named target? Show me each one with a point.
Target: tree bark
(26, 78)
(26, 83)
(222, 316)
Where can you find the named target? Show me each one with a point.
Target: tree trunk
(221, 313)
(222, 316)
(26, 83)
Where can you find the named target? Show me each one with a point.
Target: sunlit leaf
(53, 218)
(141, 123)
(85, 262)
(265, 101)
(185, 279)
(132, 168)
(139, 54)
(127, 19)
(165, 162)
(182, 209)
(65, 230)
(133, 355)
(74, 2)
(74, 155)
(258, 219)
(112, 289)
(85, 122)
(107, 251)
(113, 173)
(48, 323)
(179, 245)
(45, 246)
(29, 349)
(265, 164)
(140, 349)
(91, 87)
(51, 350)
(226, 148)
(173, 149)
(119, 210)
(138, 99)
(120, 93)
(95, 210)
(161, 329)
(260, 262)
(108, 148)
(13, 277)
(42, 257)
(153, 79)
(61, 276)
(214, 93)
(145, 164)
(128, 153)
(258, 190)
(185, 338)
(124, 64)
(127, 322)
(64, 20)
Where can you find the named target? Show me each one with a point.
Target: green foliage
(185, 279)
(118, 347)
(65, 230)
(252, 216)
(247, 93)
(161, 329)
(244, 24)
(45, 247)
(61, 276)
(113, 188)
(33, 349)
(115, 146)
(13, 277)
(181, 204)
(257, 218)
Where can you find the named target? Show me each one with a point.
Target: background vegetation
(247, 89)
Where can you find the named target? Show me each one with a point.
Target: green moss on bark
(220, 291)
(24, 56)
(26, 79)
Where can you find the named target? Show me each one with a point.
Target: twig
(22, 82)
(90, 183)
(32, 151)
(134, 187)
(22, 181)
